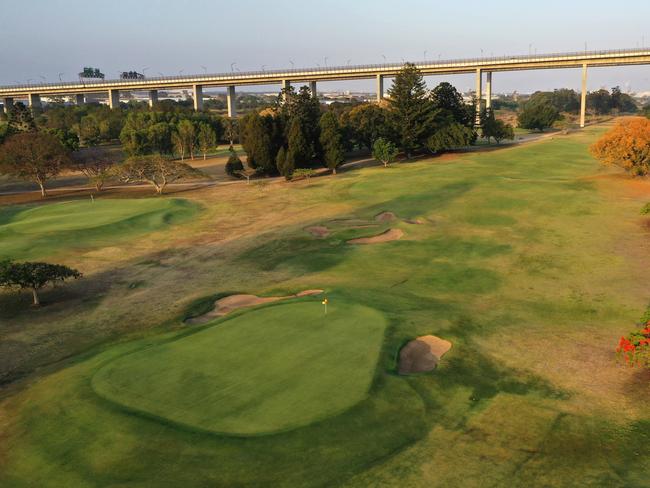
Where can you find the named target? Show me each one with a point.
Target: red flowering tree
(634, 348)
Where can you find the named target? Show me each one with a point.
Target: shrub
(626, 145)
(538, 115)
(234, 164)
(635, 347)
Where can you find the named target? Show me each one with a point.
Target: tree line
(299, 133)
(543, 108)
(36, 152)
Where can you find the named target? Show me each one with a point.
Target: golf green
(267, 370)
(36, 231)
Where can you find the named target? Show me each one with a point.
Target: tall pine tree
(331, 141)
(412, 108)
(299, 152)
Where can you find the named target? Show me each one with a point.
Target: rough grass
(532, 260)
(268, 370)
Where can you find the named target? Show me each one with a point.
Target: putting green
(268, 370)
(36, 231)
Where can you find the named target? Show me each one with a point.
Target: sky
(44, 39)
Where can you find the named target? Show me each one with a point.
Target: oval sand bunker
(230, 303)
(422, 354)
(389, 235)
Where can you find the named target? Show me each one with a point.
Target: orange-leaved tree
(627, 145)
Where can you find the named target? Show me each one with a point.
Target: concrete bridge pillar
(114, 98)
(231, 97)
(80, 99)
(479, 95)
(153, 97)
(198, 97)
(312, 89)
(35, 100)
(380, 88)
(7, 103)
(488, 90)
(583, 96)
(284, 85)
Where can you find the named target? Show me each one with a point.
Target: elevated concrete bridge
(197, 83)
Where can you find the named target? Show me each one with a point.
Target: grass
(532, 260)
(36, 231)
(269, 370)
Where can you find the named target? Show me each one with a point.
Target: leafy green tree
(284, 165)
(299, 150)
(451, 136)
(89, 132)
(187, 133)
(33, 156)
(491, 127)
(159, 136)
(445, 97)
(68, 138)
(412, 108)
(564, 100)
(306, 108)
(622, 102)
(207, 139)
(110, 128)
(384, 151)
(331, 141)
(369, 122)
(538, 115)
(156, 170)
(258, 139)
(135, 136)
(599, 102)
(34, 276)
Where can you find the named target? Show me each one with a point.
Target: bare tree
(156, 170)
(95, 164)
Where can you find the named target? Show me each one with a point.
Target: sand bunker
(230, 303)
(385, 217)
(414, 221)
(389, 235)
(318, 231)
(422, 354)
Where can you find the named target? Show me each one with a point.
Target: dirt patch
(319, 231)
(387, 236)
(231, 303)
(422, 354)
(385, 217)
(414, 221)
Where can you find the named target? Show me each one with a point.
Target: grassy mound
(35, 231)
(268, 370)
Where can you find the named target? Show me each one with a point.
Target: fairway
(35, 231)
(531, 260)
(267, 370)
